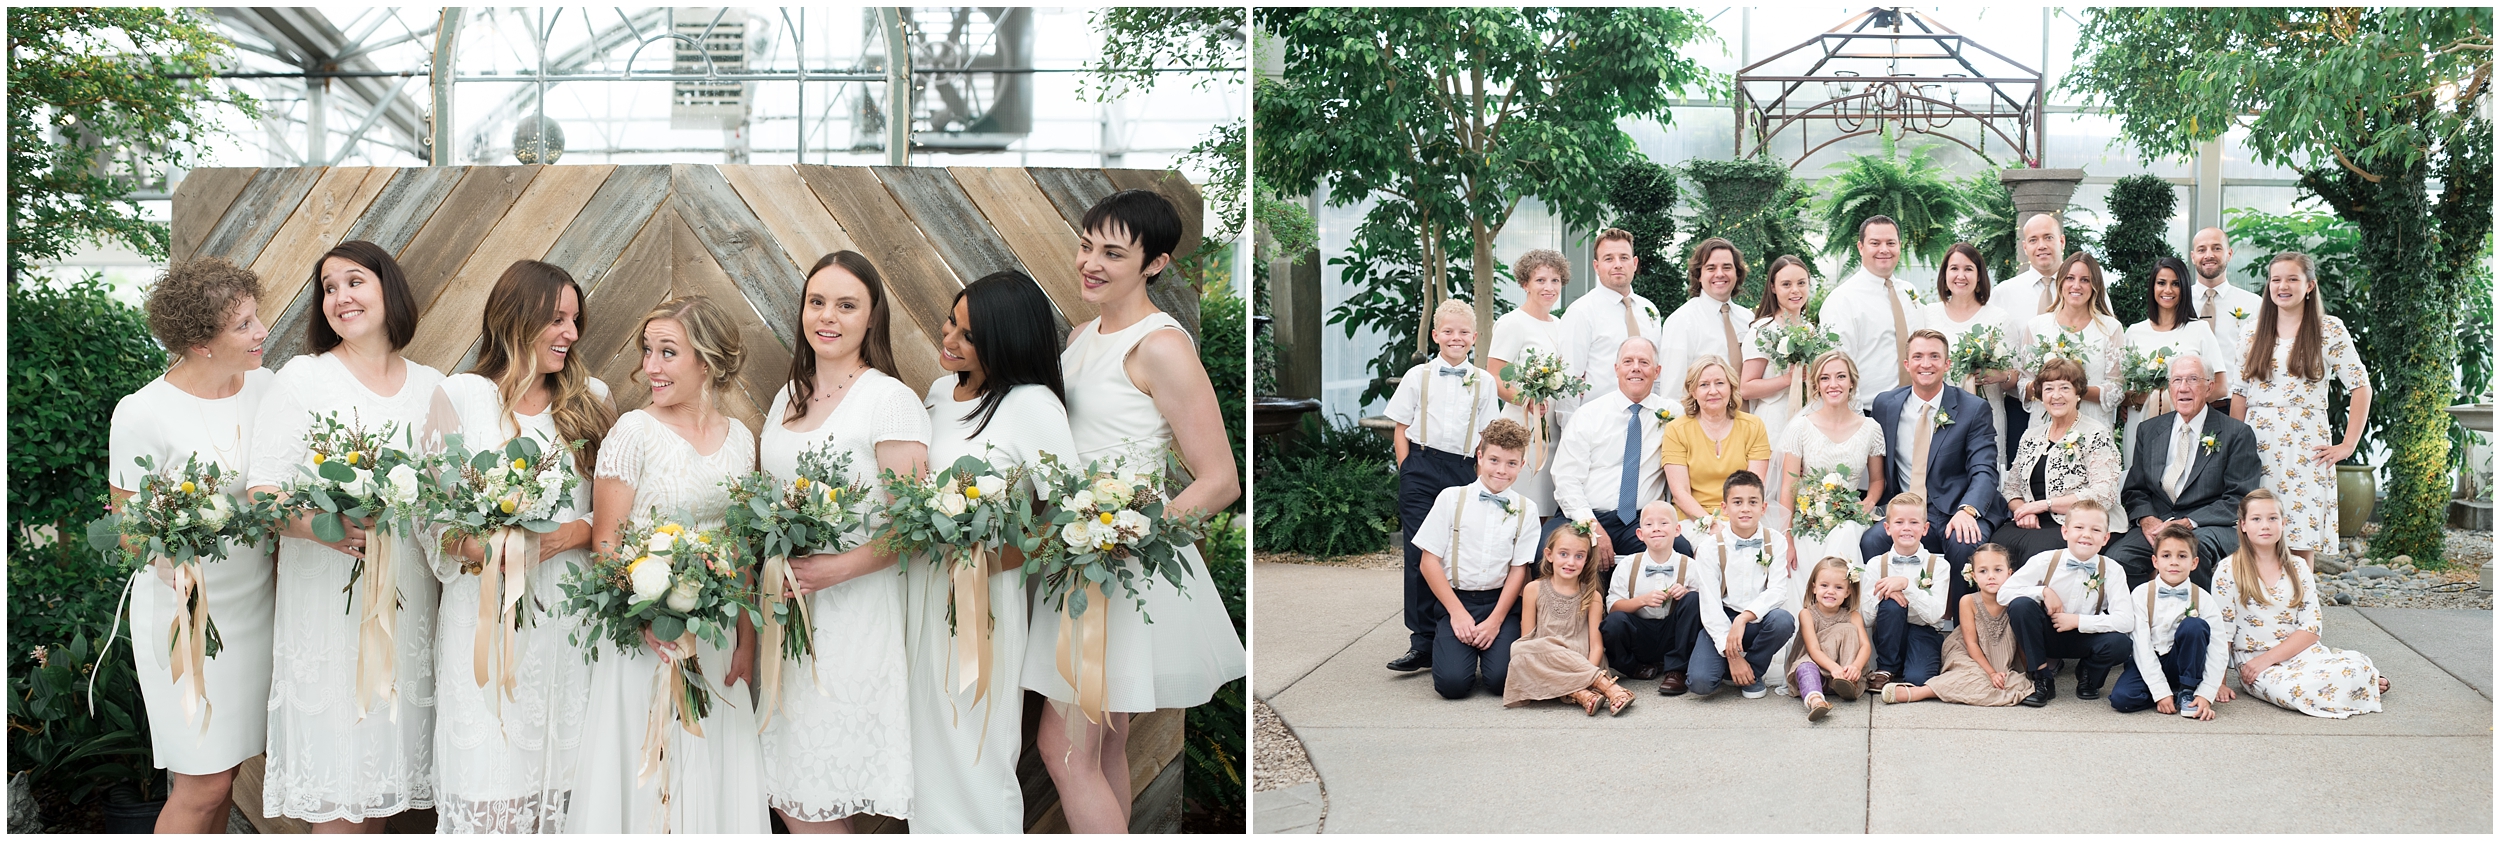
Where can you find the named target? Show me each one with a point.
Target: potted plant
(80, 754)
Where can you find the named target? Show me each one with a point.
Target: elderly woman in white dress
(344, 752)
(506, 763)
(206, 312)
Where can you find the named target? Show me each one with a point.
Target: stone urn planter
(2040, 190)
(2356, 496)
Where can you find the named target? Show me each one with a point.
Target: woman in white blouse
(1542, 274)
(2171, 325)
(1961, 308)
(2079, 327)
(1002, 402)
(207, 313)
(1777, 396)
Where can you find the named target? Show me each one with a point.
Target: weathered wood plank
(1184, 196)
(623, 206)
(319, 220)
(1042, 239)
(553, 199)
(257, 213)
(639, 282)
(923, 285)
(694, 271)
(807, 232)
(947, 216)
(201, 201)
(458, 224)
(1073, 191)
(739, 243)
(404, 205)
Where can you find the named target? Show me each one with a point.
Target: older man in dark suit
(1940, 443)
(2191, 467)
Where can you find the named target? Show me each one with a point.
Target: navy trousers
(1633, 640)
(1421, 479)
(1456, 666)
(2183, 667)
(1910, 651)
(1764, 637)
(1876, 542)
(2042, 642)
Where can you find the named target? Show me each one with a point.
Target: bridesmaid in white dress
(842, 746)
(1768, 393)
(1002, 403)
(506, 765)
(1135, 389)
(1832, 435)
(2082, 316)
(208, 312)
(1542, 275)
(2271, 621)
(1962, 292)
(672, 456)
(2170, 323)
(327, 766)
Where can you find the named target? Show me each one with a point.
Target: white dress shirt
(1698, 329)
(2094, 614)
(1450, 408)
(1742, 582)
(2156, 630)
(1592, 329)
(1926, 599)
(2018, 297)
(2228, 299)
(1588, 464)
(1648, 572)
(2183, 429)
(1856, 310)
(1494, 537)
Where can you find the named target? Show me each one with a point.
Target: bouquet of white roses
(769, 522)
(960, 517)
(181, 518)
(2059, 345)
(1825, 504)
(678, 583)
(1540, 377)
(1102, 526)
(356, 473)
(1792, 347)
(500, 496)
(2146, 372)
(1981, 350)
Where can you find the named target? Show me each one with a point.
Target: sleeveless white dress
(511, 773)
(324, 764)
(1954, 332)
(716, 779)
(964, 754)
(1773, 410)
(169, 425)
(842, 747)
(1190, 650)
(1514, 334)
(1819, 453)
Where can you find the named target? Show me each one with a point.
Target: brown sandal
(1617, 698)
(1586, 699)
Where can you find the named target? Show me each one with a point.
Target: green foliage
(1330, 492)
(1215, 779)
(52, 735)
(1221, 151)
(1386, 269)
(1915, 192)
(1137, 39)
(91, 104)
(1221, 321)
(74, 353)
(1643, 198)
(2141, 206)
(1755, 204)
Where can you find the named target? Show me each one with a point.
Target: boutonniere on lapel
(1927, 577)
(2093, 584)
(2207, 445)
(1664, 416)
(2191, 611)
(1943, 418)
(1915, 297)
(1510, 506)
(1650, 310)
(2239, 313)
(1766, 558)
(1468, 382)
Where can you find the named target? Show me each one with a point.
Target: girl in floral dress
(2284, 363)
(2271, 622)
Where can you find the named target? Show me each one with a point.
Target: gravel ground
(1277, 759)
(2394, 582)
(1384, 559)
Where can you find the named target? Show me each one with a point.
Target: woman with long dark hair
(2170, 324)
(2283, 365)
(1002, 401)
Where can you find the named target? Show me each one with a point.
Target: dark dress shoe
(2044, 682)
(1415, 660)
(2039, 696)
(1645, 673)
(2088, 685)
(1672, 684)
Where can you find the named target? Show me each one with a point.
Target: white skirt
(964, 754)
(842, 746)
(1179, 661)
(716, 780)
(241, 601)
(324, 764)
(509, 773)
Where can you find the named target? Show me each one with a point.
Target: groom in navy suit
(1939, 442)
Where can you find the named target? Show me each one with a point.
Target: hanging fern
(1915, 192)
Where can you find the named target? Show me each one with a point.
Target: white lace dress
(507, 772)
(1191, 649)
(716, 779)
(324, 764)
(964, 754)
(1820, 454)
(842, 747)
(169, 426)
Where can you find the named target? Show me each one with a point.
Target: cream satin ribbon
(499, 594)
(778, 578)
(1083, 643)
(189, 635)
(668, 694)
(376, 651)
(1536, 439)
(971, 597)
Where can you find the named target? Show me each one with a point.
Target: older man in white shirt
(2230, 310)
(1709, 323)
(1598, 322)
(2028, 294)
(1606, 466)
(1874, 314)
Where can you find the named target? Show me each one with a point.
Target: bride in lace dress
(1831, 435)
(671, 458)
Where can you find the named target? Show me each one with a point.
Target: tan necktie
(2182, 451)
(2048, 296)
(1631, 326)
(1918, 450)
(1900, 332)
(2207, 313)
(1728, 321)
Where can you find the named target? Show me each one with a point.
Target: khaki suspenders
(1449, 565)
(1423, 412)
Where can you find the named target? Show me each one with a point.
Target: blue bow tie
(2083, 566)
(1905, 560)
(1656, 570)
(1489, 496)
(1748, 543)
(2182, 592)
(1451, 372)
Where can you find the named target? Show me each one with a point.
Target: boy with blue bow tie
(1743, 569)
(2173, 643)
(2060, 605)
(1903, 597)
(1439, 407)
(1653, 612)
(1477, 543)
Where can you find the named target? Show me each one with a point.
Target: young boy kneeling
(1477, 543)
(2173, 644)
(1905, 597)
(1653, 614)
(2060, 606)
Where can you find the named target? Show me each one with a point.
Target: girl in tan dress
(1833, 638)
(1995, 677)
(1561, 655)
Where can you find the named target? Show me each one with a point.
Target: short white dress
(716, 780)
(964, 754)
(1191, 649)
(324, 764)
(1514, 334)
(2320, 681)
(169, 426)
(842, 747)
(507, 772)
(1954, 331)
(2195, 337)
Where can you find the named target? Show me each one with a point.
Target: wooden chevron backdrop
(635, 236)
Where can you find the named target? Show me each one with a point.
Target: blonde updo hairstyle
(187, 307)
(709, 334)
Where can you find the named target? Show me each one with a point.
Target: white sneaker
(1757, 691)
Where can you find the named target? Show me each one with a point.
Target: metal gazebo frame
(1924, 98)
